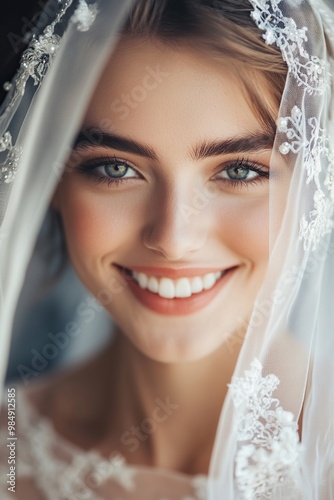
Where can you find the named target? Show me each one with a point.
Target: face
(165, 199)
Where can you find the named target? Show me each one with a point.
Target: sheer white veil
(30, 112)
(285, 366)
(285, 372)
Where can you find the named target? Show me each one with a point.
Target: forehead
(170, 96)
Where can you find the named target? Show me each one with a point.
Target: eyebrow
(253, 142)
(93, 137)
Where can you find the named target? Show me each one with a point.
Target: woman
(201, 227)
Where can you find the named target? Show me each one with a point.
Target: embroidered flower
(268, 444)
(36, 59)
(311, 72)
(84, 15)
(8, 168)
(308, 138)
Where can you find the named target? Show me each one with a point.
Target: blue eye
(243, 173)
(115, 169)
(238, 173)
(109, 170)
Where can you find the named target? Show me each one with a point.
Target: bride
(184, 150)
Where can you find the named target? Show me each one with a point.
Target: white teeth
(197, 285)
(153, 284)
(183, 288)
(166, 288)
(180, 288)
(209, 280)
(142, 280)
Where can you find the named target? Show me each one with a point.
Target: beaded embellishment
(35, 62)
(305, 136)
(311, 140)
(9, 167)
(310, 72)
(84, 15)
(36, 59)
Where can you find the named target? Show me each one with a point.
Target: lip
(176, 306)
(173, 272)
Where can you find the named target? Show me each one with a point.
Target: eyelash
(243, 163)
(90, 167)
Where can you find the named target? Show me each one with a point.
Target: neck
(160, 405)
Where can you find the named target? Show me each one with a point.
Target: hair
(225, 30)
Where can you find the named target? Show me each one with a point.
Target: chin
(174, 341)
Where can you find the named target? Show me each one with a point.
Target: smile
(180, 288)
(175, 291)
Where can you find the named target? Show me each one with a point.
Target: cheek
(244, 228)
(95, 224)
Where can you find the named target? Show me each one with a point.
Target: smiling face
(165, 199)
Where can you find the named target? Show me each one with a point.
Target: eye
(238, 173)
(243, 172)
(109, 170)
(115, 169)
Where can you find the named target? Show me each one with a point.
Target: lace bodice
(51, 468)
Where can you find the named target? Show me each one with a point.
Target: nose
(177, 226)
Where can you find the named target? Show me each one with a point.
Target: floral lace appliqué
(9, 167)
(36, 59)
(61, 471)
(268, 443)
(84, 15)
(304, 135)
(35, 62)
(311, 72)
(310, 139)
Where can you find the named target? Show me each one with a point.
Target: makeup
(176, 291)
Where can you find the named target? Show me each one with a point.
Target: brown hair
(224, 28)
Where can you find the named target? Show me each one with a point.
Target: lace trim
(311, 72)
(269, 449)
(36, 59)
(311, 139)
(35, 62)
(9, 167)
(87, 472)
(84, 15)
(76, 474)
(306, 136)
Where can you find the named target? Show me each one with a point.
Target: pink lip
(174, 272)
(177, 306)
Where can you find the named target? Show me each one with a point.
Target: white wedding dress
(49, 467)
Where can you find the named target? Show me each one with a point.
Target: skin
(142, 222)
